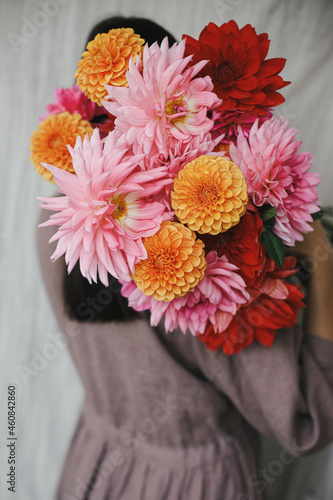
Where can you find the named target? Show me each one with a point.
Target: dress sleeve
(286, 391)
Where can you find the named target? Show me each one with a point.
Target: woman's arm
(286, 391)
(318, 254)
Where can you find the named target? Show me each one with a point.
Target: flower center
(225, 73)
(175, 110)
(55, 141)
(163, 259)
(121, 208)
(207, 194)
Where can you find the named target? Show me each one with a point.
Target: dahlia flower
(227, 123)
(243, 248)
(274, 284)
(257, 321)
(73, 101)
(242, 78)
(276, 174)
(165, 104)
(104, 214)
(215, 298)
(189, 312)
(184, 152)
(275, 307)
(209, 195)
(106, 61)
(175, 262)
(49, 142)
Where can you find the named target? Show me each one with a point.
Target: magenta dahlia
(228, 123)
(73, 101)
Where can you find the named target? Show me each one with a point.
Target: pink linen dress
(166, 419)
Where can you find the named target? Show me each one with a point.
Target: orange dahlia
(209, 194)
(49, 142)
(175, 264)
(106, 61)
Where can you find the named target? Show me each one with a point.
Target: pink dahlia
(277, 174)
(229, 122)
(216, 299)
(73, 101)
(105, 212)
(164, 104)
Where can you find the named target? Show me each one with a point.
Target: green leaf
(269, 223)
(317, 215)
(268, 213)
(274, 246)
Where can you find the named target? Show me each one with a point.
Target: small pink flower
(277, 174)
(105, 212)
(73, 101)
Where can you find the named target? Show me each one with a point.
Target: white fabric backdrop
(40, 49)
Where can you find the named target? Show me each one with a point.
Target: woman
(164, 418)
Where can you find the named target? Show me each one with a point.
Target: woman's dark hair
(150, 31)
(95, 302)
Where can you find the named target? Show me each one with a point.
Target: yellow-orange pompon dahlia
(175, 264)
(209, 194)
(106, 60)
(48, 143)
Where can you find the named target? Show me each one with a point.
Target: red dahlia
(240, 74)
(244, 249)
(257, 321)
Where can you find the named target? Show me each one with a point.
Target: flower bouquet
(180, 182)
